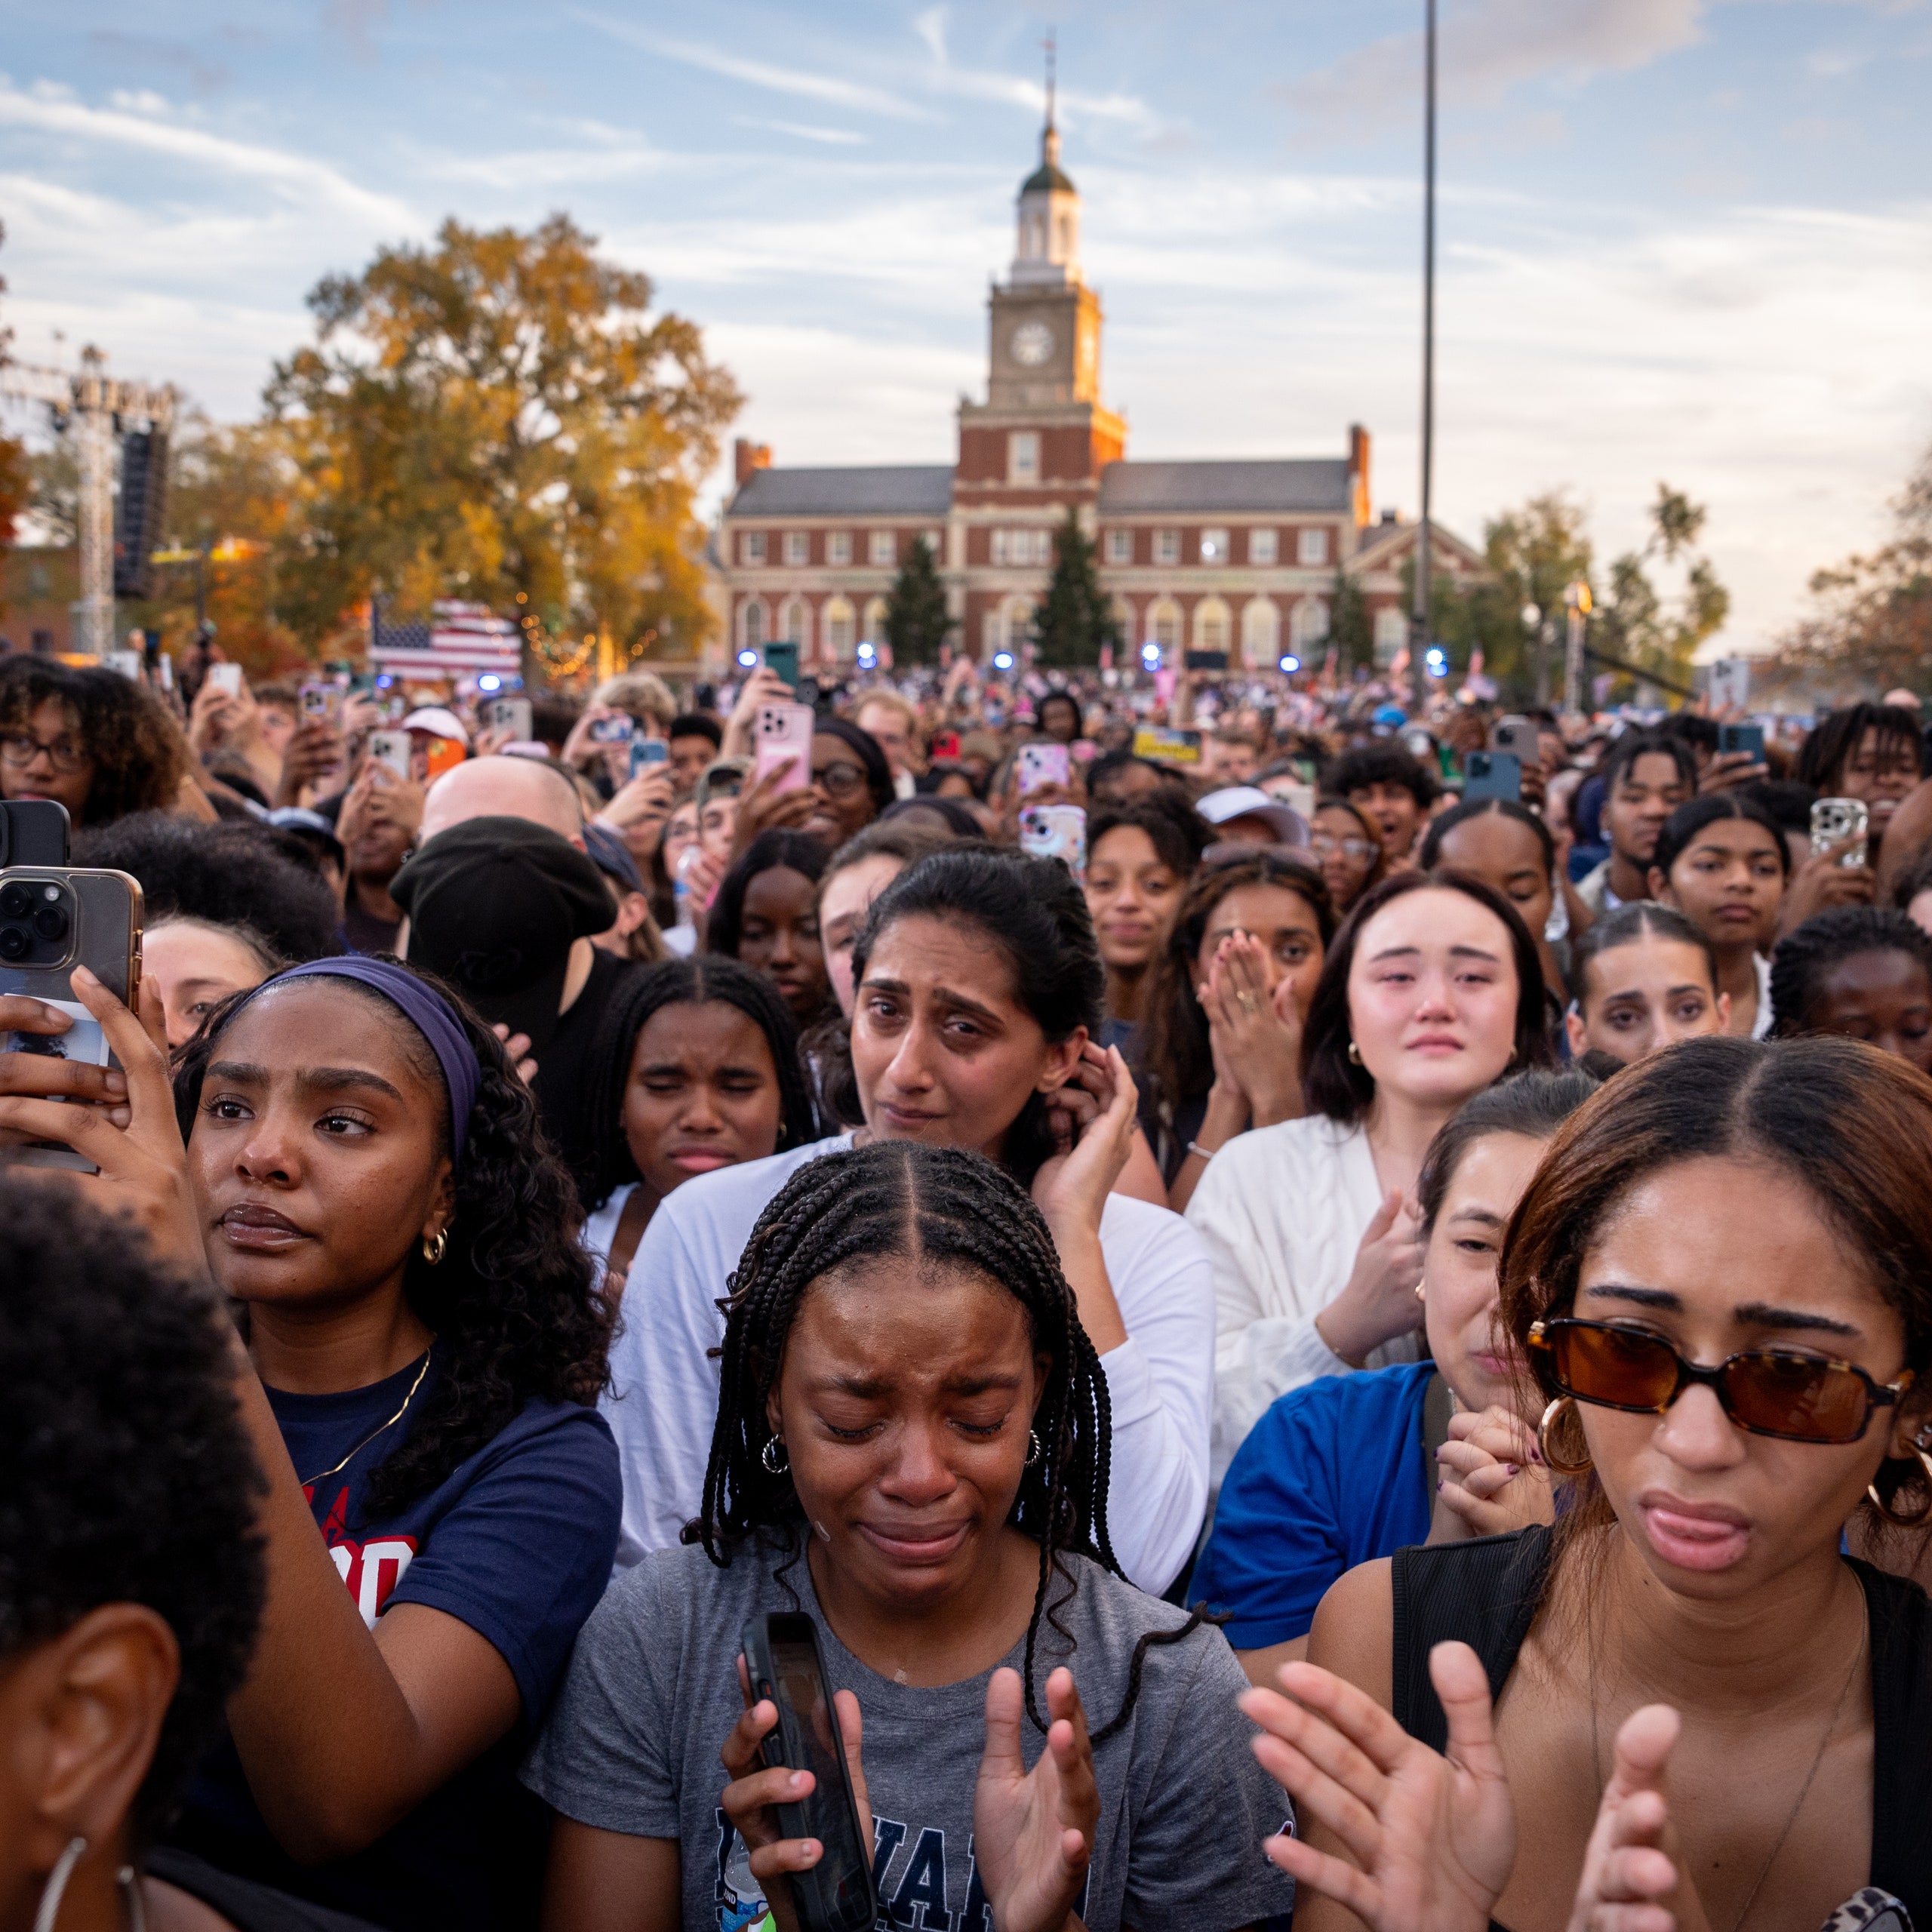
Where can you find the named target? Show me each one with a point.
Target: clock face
(1030, 344)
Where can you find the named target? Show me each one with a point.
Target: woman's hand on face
(1093, 1118)
(1260, 1031)
(136, 1143)
(1431, 1840)
(1380, 1302)
(1033, 1831)
(751, 1797)
(1824, 881)
(1491, 1473)
(762, 807)
(1631, 1864)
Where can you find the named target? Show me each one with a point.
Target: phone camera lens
(16, 902)
(50, 922)
(16, 942)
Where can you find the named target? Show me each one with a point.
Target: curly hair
(139, 756)
(1380, 763)
(1177, 1054)
(126, 1474)
(1177, 833)
(686, 983)
(514, 1302)
(232, 875)
(907, 1201)
(1826, 940)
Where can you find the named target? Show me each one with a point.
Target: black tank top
(1484, 1593)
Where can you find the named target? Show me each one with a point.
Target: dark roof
(1047, 177)
(893, 489)
(1299, 483)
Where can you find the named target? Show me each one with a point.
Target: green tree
(916, 622)
(16, 472)
(1076, 619)
(1351, 636)
(500, 414)
(1645, 628)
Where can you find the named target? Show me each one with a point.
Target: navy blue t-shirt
(517, 1543)
(1330, 1476)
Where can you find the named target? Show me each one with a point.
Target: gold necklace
(377, 1430)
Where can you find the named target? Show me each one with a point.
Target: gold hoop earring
(435, 1245)
(1550, 1463)
(1354, 1054)
(1920, 1517)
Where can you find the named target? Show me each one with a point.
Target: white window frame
(882, 549)
(1214, 548)
(800, 632)
(1311, 546)
(1166, 546)
(1261, 633)
(751, 624)
(751, 546)
(1120, 546)
(1023, 455)
(798, 549)
(838, 547)
(841, 625)
(1264, 546)
(1166, 621)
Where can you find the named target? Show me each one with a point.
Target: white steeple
(1046, 251)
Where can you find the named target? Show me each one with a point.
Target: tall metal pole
(1419, 623)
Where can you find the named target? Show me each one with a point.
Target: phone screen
(226, 678)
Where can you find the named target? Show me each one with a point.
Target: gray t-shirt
(632, 1745)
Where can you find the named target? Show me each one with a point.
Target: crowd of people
(1314, 1337)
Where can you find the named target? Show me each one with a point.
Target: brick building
(1241, 555)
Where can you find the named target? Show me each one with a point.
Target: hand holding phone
(226, 679)
(782, 738)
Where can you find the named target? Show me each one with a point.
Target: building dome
(1047, 240)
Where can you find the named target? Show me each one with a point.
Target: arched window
(1261, 634)
(754, 623)
(1309, 624)
(1164, 623)
(876, 616)
(1130, 630)
(838, 638)
(992, 633)
(1211, 625)
(1391, 632)
(798, 622)
(1019, 623)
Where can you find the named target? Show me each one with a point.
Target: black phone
(782, 657)
(1493, 775)
(1743, 738)
(782, 1658)
(1516, 735)
(1206, 661)
(33, 831)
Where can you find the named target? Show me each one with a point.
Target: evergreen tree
(1076, 619)
(1350, 636)
(916, 621)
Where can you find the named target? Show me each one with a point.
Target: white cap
(1234, 801)
(438, 721)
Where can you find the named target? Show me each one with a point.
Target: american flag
(458, 638)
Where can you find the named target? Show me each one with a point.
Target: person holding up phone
(380, 817)
(909, 1449)
(848, 784)
(979, 985)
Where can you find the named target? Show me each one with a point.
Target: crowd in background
(1142, 1243)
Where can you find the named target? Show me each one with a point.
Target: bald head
(504, 788)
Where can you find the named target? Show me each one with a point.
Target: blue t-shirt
(1330, 1476)
(517, 1542)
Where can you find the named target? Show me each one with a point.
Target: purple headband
(427, 1011)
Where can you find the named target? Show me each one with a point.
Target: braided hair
(906, 1201)
(1827, 940)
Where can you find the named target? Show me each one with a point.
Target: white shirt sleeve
(1160, 1386)
(663, 1397)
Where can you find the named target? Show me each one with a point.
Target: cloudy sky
(1687, 240)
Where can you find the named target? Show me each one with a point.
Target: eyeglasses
(1770, 1392)
(840, 779)
(1351, 848)
(18, 748)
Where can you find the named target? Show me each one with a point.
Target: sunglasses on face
(1769, 1392)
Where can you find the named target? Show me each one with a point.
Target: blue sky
(1680, 239)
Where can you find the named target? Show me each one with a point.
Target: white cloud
(837, 137)
(1073, 104)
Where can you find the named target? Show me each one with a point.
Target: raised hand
(1033, 1831)
(1630, 1865)
(1431, 1840)
(1255, 1035)
(751, 1798)
(1378, 1302)
(1093, 1117)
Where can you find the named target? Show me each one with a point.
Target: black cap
(494, 906)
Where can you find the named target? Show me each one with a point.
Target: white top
(600, 1226)
(1761, 1027)
(1282, 1210)
(663, 1399)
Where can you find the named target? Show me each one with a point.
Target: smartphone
(321, 701)
(782, 657)
(785, 731)
(782, 1661)
(510, 713)
(1515, 735)
(1206, 661)
(1833, 821)
(1166, 747)
(391, 748)
(52, 919)
(130, 663)
(943, 745)
(615, 729)
(226, 678)
(33, 831)
(646, 753)
(1743, 738)
(443, 755)
(1055, 832)
(1035, 765)
(1493, 775)
(1296, 794)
